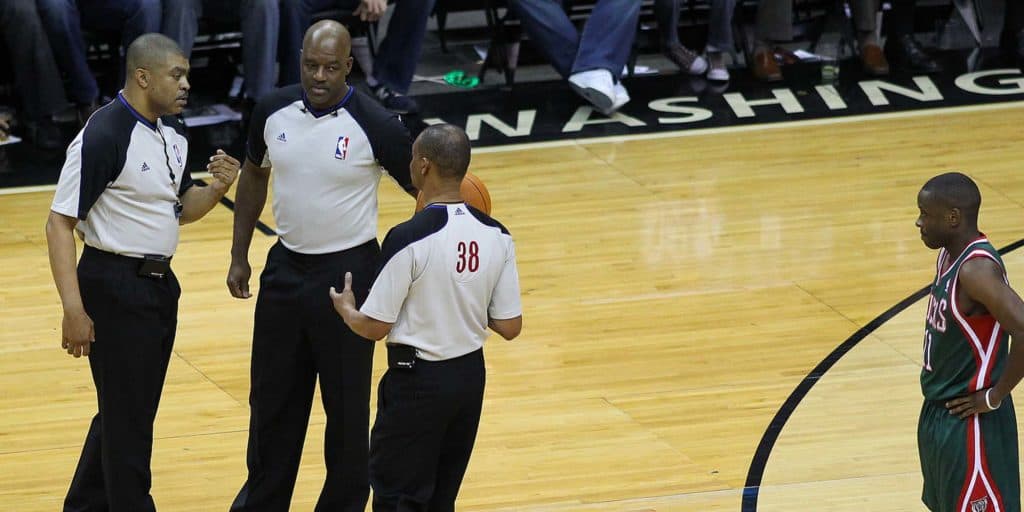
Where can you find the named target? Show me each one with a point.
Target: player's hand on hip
(77, 333)
(966, 406)
(224, 169)
(344, 299)
(238, 279)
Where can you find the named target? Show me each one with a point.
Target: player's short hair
(150, 51)
(956, 190)
(446, 146)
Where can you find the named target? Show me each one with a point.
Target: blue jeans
(395, 61)
(264, 23)
(63, 23)
(605, 43)
(719, 22)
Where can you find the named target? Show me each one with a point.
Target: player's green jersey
(961, 354)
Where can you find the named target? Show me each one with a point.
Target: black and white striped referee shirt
(327, 166)
(122, 177)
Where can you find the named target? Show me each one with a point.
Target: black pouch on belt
(401, 357)
(155, 266)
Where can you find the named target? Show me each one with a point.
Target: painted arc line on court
(755, 473)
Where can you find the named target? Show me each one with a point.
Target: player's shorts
(969, 465)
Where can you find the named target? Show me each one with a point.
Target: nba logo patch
(979, 505)
(341, 150)
(177, 154)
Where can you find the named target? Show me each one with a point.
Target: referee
(125, 189)
(328, 146)
(446, 275)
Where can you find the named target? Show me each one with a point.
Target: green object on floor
(458, 78)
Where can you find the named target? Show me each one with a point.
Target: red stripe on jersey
(992, 489)
(970, 334)
(979, 483)
(982, 332)
(961, 502)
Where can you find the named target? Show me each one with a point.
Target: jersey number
(469, 257)
(928, 351)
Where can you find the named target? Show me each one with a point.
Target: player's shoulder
(487, 220)
(277, 99)
(371, 115)
(110, 124)
(424, 223)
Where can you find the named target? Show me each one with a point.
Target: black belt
(152, 266)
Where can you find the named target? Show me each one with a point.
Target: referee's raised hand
(224, 169)
(77, 333)
(345, 301)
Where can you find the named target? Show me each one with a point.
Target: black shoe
(906, 54)
(395, 102)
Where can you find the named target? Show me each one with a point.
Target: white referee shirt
(122, 178)
(327, 166)
(443, 273)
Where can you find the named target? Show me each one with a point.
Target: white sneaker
(718, 74)
(595, 86)
(621, 97)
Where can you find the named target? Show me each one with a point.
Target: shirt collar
(320, 113)
(141, 118)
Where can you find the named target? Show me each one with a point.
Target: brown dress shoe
(764, 67)
(873, 58)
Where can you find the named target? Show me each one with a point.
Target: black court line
(263, 228)
(230, 205)
(752, 487)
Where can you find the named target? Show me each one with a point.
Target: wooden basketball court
(676, 291)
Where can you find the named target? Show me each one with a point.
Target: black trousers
(427, 418)
(135, 320)
(298, 336)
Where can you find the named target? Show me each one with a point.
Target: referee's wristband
(989, 402)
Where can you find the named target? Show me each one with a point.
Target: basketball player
(446, 275)
(967, 432)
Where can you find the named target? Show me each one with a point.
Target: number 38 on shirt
(468, 257)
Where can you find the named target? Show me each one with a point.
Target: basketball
(474, 193)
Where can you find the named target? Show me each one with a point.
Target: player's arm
(198, 201)
(982, 280)
(360, 323)
(393, 150)
(508, 328)
(250, 198)
(77, 328)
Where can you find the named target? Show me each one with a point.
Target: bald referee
(328, 146)
(446, 275)
(125, 189)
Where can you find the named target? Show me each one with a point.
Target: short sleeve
(391, 287)
(186, 183)
(256, 147)
(90, 166)
(505, 301)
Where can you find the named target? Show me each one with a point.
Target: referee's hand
(77, 333)
(224, 169)
(346, 300)
(238, 279)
